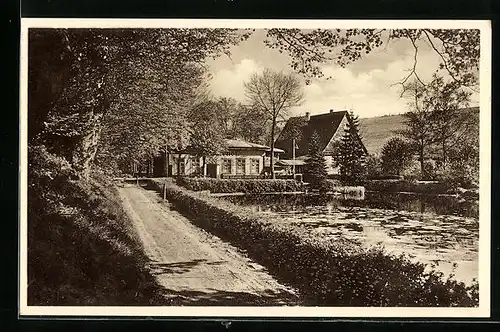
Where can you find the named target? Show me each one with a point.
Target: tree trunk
(204, 166)
(179, 165)
(271, 165)
(443, 147)
(152, 166)
(421, 157)
(166, 162)
(85, 147)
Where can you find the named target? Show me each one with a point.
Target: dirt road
(195, 267)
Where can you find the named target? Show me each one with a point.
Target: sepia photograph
(255, 168)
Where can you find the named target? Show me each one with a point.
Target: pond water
(448, 243)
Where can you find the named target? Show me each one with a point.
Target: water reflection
(448, 242)
(438, 204)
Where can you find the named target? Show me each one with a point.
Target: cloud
(230, 82)
(368, 86)
(373, 92)
(367, 94)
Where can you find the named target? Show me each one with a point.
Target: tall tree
(436, 117)
(351, 153)
(207, 138)
(251, 124)
(447, 101)
(274, 93)
(419, 122)
(316, 169)
(396, 155)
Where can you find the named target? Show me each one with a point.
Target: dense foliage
(330, 273)
(78, 77)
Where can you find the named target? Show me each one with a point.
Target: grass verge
(82, 248)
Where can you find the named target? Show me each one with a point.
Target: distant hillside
(378, 130)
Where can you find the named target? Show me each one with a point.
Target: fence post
(165, 190)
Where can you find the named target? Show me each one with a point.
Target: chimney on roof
(331, 110)
(308, 116)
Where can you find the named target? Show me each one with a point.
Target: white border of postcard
(330, 312)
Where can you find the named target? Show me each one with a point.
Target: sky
(367, 86)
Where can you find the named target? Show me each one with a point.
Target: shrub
(459, 175)
(430, 171)
(333, 184)
(373, 167)
(333, 273)
(412, 172)
(396, 155)
(235, 185)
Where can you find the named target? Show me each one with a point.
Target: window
(240, 166)
(182, 168)
(226, 166)
(255, 166)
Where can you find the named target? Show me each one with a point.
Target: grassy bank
(338, 273)
(82, 249)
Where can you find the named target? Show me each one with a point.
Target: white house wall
(247, 155)
(193, 164)
(336, 136)
(328, 151)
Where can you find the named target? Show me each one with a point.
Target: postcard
(255, 168)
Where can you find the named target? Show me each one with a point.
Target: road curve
(193, 266)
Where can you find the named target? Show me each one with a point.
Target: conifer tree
(351, 154)
(316, 173)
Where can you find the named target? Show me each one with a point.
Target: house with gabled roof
(330, 129)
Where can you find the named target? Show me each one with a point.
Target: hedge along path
(195, 267)
(330, 273)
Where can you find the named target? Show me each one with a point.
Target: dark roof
(325, 125)
(238, 144)
(241, 144)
